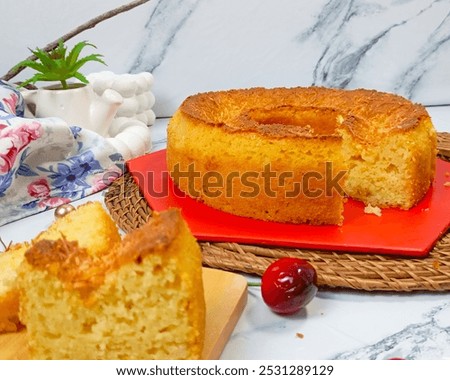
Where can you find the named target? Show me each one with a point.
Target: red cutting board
(405, 233)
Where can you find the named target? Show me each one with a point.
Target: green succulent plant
(58, 64)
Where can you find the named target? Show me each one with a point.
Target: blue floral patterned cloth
(45, 162)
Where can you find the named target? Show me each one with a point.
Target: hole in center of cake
(311, 120)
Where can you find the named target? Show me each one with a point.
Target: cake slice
(143, 300)
(89, 225)
(9, 297)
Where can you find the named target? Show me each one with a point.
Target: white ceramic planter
(117, 107)
(78, 106)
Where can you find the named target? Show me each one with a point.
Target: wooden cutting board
(225, 297)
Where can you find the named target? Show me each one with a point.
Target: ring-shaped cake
(294, 154)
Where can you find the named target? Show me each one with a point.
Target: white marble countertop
(336, 324)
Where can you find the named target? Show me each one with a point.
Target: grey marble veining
(159, 135)
(339, 57)
(414, 73)
(399, 46)
(425, 340)
(343, 52)
(190, 46)
(164, 22)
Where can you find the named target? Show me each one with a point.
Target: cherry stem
(253, 284)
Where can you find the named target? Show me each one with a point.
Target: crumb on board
(369, 209)
(299, 335)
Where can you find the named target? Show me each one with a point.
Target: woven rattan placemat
(336, 270)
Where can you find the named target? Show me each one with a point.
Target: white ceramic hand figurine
(129, 131)
(135, 89)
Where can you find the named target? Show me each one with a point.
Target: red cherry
(288, 285)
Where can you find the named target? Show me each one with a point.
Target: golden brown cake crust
(83, 272)
(70, 263)
(390, 112)
(156, 235)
